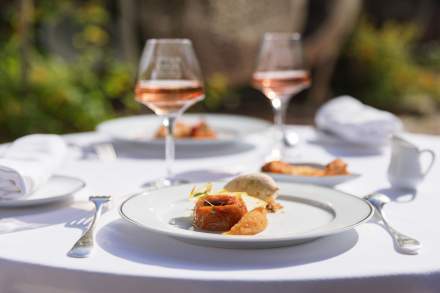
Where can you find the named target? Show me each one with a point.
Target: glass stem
(279, 106)
(169, 122)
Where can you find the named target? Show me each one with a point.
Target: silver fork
(403, 243)
(84, 246)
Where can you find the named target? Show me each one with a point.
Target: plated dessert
(227, 211)
(309, 212)
(334, 168)
(198, 130)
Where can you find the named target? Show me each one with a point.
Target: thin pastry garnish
(251, 223)
(208, 189)
(195, 192)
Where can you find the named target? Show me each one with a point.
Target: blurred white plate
(316, 180)
(57, 188)
(309, 212)
(141, 129)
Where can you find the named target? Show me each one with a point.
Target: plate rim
(240, 239)
(23, 202)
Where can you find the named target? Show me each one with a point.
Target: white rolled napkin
(28, 163)
(357, 123)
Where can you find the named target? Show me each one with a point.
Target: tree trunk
(323, 47)
(299, 14)
(24, 33)
(127, 23)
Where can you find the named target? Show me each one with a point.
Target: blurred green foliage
(71, 94)
(380, 67)
(219, 94)
(63, 95)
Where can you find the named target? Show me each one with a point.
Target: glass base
(290, 138)
(284, 146)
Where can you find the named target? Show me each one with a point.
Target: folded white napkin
(29, 162)
(355, 122)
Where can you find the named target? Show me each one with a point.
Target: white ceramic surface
(316, 180)
(57, 188)
(141, 129)
(309, 212)
(406, 169)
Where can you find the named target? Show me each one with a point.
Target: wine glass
(169, 82)
(280, 73)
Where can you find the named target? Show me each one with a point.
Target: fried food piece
(277, 167)
(251, 223)
(218, 212)
(258, 185)
(181, 130)
(202, 131)
(336, 167)
(285, 168)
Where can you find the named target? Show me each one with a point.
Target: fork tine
(105, 152)
(88, 221)
(111, 150)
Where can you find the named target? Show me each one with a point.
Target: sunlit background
(67, 65)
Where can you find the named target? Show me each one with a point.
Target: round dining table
(34, 241)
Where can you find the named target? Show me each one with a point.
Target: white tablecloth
(34, 241)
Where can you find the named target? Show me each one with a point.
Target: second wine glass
(169, 82)
(280, 73)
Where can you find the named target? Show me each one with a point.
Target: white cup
(405, 169)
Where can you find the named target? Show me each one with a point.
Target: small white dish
(58, 188)
(309, 212)
(329, 181)
(141, 129)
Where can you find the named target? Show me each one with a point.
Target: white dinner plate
(141, 129)
(57, 188)
(309, 212)
(316, 180)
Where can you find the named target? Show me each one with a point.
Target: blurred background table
(34, 241)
